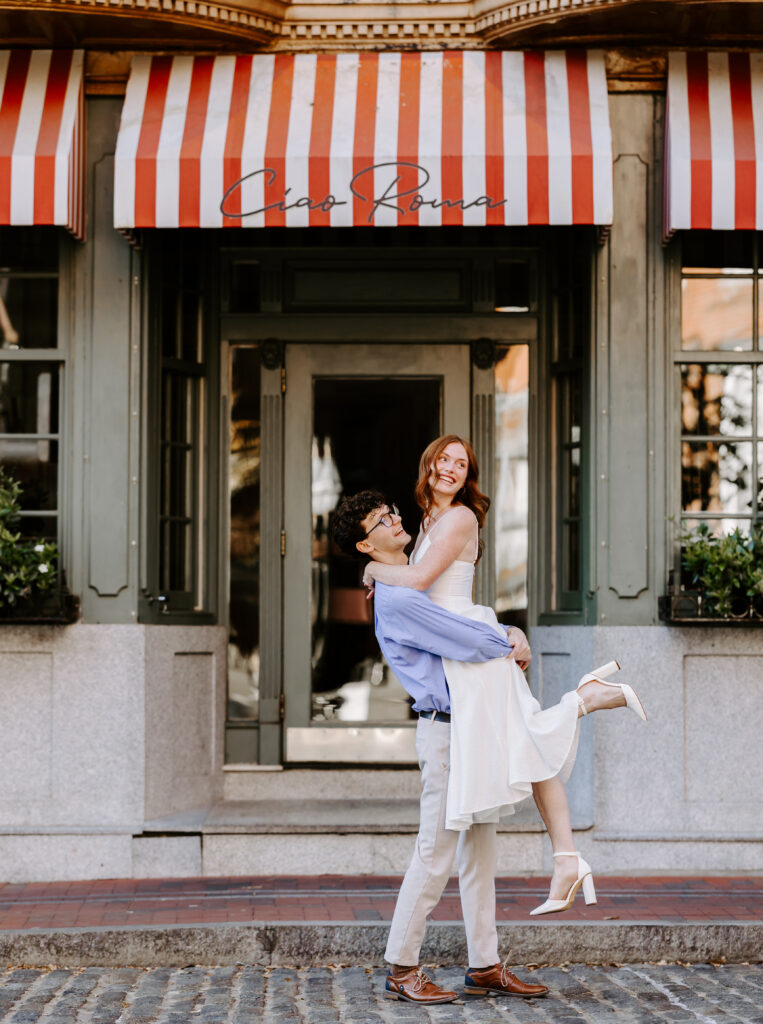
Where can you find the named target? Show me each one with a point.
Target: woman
(504, 747)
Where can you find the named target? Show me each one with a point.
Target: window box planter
(694, 607)
(53, 609)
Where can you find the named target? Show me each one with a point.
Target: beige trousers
(429, 870)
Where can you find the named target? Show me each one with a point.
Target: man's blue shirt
(415, 634)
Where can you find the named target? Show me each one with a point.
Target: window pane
(35, 465)
(716, 313)
(571, 556)
(244, 288)
(510, 508)
(244, 476)
(178, 408)
(716, 476)
(190, 321)
(28, 398)
(512, 287)
(175, 568)
(28, 312)
(716, 399)
(28, 249)
(760, 477)
(44, 527)
(179, 468)
(725, 252)
(719, 527)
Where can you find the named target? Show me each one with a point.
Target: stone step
(316, 944)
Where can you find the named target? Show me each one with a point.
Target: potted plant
(722, 576)
(30, 587)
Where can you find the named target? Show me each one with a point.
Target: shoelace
(420, 980)
(507, 976)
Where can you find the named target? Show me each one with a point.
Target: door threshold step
(273, 817)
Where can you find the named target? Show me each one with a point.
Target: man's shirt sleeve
(412, 619)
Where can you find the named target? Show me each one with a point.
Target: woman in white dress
(504, 746)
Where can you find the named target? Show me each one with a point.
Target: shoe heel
(606, 670)
(589, 892)
(469, 991)
(391, 995)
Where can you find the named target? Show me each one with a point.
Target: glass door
(356, 416)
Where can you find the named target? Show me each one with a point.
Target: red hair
(469, 495)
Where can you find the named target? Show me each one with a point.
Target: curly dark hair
(346, 521)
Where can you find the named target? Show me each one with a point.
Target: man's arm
(412, 619)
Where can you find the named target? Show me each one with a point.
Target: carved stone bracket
(483, 353)
(271, 353)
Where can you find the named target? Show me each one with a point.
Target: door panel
(357, 416)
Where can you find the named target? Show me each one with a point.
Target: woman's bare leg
(551, 801)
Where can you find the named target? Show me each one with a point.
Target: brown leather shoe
(415, 987)
(498, 980)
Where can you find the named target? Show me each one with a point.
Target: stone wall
(103, 726)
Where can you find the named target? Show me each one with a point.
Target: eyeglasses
(386, 519)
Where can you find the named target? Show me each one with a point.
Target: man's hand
(521, 653)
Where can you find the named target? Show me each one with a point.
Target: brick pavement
(122, 902)
(638, 994)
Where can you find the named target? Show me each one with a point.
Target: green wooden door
(356, 416)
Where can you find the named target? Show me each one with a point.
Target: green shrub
(728, 570)
(28, 568)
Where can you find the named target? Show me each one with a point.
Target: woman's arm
(453, 534)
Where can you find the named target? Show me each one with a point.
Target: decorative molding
(495, 20)
(368, 24)
(261, 24)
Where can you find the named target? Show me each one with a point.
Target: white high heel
(585, 878)
(598, 674)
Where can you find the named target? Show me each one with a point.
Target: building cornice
(237, 25)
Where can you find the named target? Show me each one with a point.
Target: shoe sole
(420, 1002)
(503, 992)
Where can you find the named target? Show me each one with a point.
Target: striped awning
(434, 138)
(714, 141)
(42, 138)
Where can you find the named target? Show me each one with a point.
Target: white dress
(501, 740)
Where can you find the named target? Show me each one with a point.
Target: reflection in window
(244, 496)
(716, 399)
(510, 507)
(353, 450)
(716, 313)
(717, 477)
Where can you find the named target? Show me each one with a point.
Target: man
(414, 635)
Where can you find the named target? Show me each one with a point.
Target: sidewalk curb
(316, 944)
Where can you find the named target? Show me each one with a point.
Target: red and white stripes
(457, 137)
(714, 141)
(42, 138)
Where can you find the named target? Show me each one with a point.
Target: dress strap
(438, 521)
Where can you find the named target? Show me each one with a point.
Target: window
(720, 366)
(31, 372)
(570, 327)
(178, 583)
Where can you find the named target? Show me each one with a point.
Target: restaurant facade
(254, 257)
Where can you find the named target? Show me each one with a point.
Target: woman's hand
(368, 579)
(521, 653)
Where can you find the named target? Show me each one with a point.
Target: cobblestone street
(245, 995)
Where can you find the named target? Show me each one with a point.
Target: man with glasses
(414, 635)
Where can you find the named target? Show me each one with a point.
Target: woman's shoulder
(462, 518)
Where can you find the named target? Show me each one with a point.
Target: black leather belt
(438, 716)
